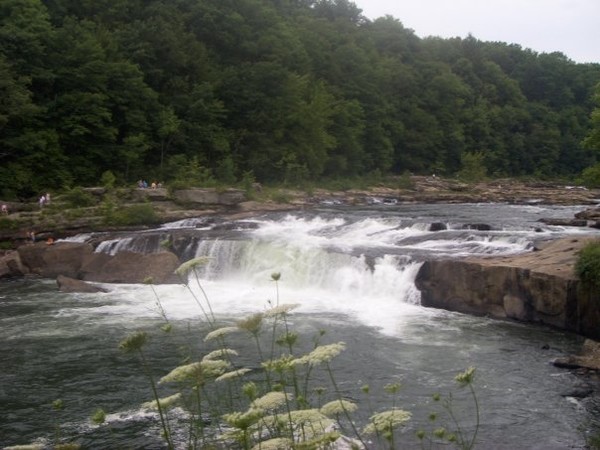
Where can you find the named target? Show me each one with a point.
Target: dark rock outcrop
(79, 261)
(50, 261)
(67, 284)
(11, 266)
(588, 357)
(537, 287)
(129, 267)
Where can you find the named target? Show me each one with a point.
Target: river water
(351, 271)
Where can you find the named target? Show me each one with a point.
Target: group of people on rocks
(44, 200)
(143, 184)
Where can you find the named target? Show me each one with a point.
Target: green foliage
(188, 172)
(108, 180)
(590, 177)
(295, 92)
(405, 182)
(142, 214)
(8, 224)
(587, 266)
(77, 197)
(473, 167)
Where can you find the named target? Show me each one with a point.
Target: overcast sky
(568, 26)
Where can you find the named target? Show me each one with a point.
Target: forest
(277, 91)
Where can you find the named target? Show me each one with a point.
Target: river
(351, 271)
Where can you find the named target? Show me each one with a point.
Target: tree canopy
(285, 90)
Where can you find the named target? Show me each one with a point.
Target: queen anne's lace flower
(243, 420)
(281, 309)
(465, 377)
(232, 374)
(220, 332)
(184, 269)
(165, 402)
(386, 421)
(321, 354)
(336, 407)
(271, 400)
(220, 353)
(199, 371)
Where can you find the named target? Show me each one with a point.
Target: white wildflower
(243, 420)
(281, 309)
(271, 400)
(232, 374)
(336, 407)
(465, 377)
(275, 444)
(284, 364)
(184, 269)
(386, 421)
(310, 419)
(321, 354)
(219, 354)
(220, 332)
(165, 402)
(199, 371)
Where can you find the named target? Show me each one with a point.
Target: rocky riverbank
(62, 218)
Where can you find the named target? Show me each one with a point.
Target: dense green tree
(284, 90)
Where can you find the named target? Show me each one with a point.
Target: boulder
(67, 284)
(11, 266)
(438, 226)
(589, 214)
(588, 357)
(130, 267)
(565, 222)
(49, 261)
(477, 226)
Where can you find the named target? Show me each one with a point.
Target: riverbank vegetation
(588, 265)
(288, 92)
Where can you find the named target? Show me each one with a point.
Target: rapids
(350, 270)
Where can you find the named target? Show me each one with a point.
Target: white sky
(568, 26)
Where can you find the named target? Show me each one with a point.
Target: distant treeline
(273, 90)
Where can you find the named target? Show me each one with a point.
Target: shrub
(587, 266)
(78, 198)
(590, 177)
(8, 224)
(142, 214)
(473, 167)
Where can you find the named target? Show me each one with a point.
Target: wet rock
(589, 214)
(67, 284)
(11, 266)
(49, 261)
(539, 287)
(564, 222)
(477, 226)
(437, 226)
(129, 267)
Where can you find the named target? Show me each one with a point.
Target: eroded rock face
(537, 287)
(78, 261)
(129, 267)
(11, 266)
(49, 261)
(66, 284)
